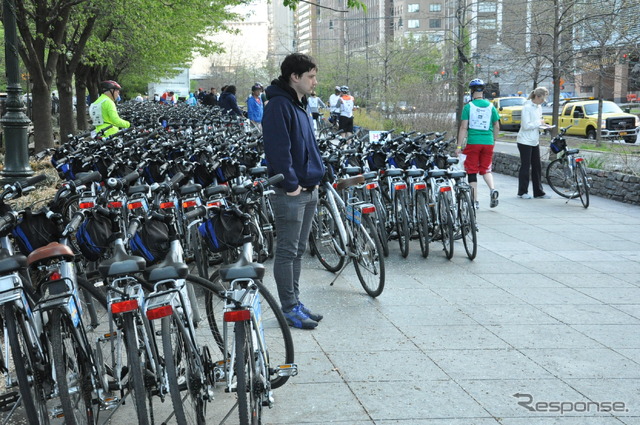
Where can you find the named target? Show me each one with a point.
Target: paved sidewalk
(549, 310)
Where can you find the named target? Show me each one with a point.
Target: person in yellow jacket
(103, 111)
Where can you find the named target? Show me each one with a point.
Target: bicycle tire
(446, 224)
(561, 178)
(135, 361)
(28, 373)
(325, 238)
(422, 216)
(200, 251)
(582, 183)
(402, 223)
(72, 370)
(368, 260)
(381, 220)
(267, 232)
(277, 334)
(245, 376)
(182, 373)
(466, 213)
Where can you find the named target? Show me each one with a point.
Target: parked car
(510, 110)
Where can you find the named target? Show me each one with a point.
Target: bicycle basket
(227, 170)
(151, 241)
(93, 236)
(377, 161)
(558, 145)
(223, 230)
(34, 231)
(202, 175)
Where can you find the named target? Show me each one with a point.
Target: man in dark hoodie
(291, 149)
(228, 101)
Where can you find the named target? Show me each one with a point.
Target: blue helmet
(476, 85)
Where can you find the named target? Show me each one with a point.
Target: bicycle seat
(121, 264)
(572, 151)
(169, 268)
(216, 190)
(242, 271)
(349, 181)
(11, 263)
(370, 175)
(190, 189)
(415, 172)
(436, 173)
(52, 250)
(352, 171)
(457, 174)
(393, 172)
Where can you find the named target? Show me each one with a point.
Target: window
(487, 23)
(434, 23)
(486, 6)
(414, 7)
(413, 23)
(437, 7)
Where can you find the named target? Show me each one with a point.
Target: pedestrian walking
(479, 127)
(529, 145)
(291, 150)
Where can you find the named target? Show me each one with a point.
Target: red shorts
(478, 159)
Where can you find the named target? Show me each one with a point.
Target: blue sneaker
(298, 319)
(312, 316)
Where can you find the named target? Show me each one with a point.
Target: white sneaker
(525, 196)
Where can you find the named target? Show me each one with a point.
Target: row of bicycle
(100, 308)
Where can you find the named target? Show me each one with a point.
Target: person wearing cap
(255, 108)
(103, 112)
(529, 145)
(346, 103)
(334, 109)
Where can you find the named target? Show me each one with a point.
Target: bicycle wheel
(561, 179)
(248, 383)
(30, 372)
(200, 251)
(402, 223)
(136, 362)
(467, 217)
(267, 232)
(73, 371)
(422, 216)
(325, 238)
(582, 183)
(277, 334)
(184, 373)
(368, 260)
(381, 220)
(446, 224)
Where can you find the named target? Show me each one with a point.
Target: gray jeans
(294, 215)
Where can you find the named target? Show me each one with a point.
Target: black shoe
(312, 316)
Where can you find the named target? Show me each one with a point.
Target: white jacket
(529, 133)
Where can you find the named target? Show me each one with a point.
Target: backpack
(223, 230)
(151, 241)
(34, 231)
(93, 236)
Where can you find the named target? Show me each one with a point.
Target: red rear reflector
(124, 306)
(400, 186)
(159, 312)
(115, 204)
(189, 204)
(445, 189)
(371, 185)
(214, 204)
(55, 276)
(335, 185)
(165, 205)
(134, 205)
(579, 159)
(237, 315)
(84, 205)
(420, 186)
(368, 210)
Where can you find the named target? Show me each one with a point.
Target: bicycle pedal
(289, 369)
(8, 400)
(109, 401)
(56, 413)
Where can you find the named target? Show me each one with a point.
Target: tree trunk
(65, 89)
(43, 128)
(81, 103)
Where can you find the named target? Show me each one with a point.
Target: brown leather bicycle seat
(350, 181)
(54, 249)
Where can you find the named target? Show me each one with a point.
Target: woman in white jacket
(529, 145)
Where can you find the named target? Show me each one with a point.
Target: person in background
(346, 103)
(479, 127)
(139, 98)
(315, 103)
(211, 98)
(191, 100)
(168, 98)
(103, 112)
(529, 145)
(334, 109)
(291, 150)
(255, 108)
(228, 101)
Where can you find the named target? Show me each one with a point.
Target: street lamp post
(14, 121)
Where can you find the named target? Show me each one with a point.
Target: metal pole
(14, 122)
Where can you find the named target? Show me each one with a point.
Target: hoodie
(289, 142)
(228, 102)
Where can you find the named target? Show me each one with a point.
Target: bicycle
(567, 174)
